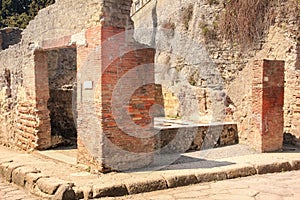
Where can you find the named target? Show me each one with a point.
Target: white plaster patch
(79, 39)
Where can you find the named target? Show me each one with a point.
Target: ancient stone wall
(184, 65)
(186, 30)
(11, 92)
(104, 53)
(27, 122)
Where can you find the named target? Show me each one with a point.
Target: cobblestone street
(282, 186)
(12, 192)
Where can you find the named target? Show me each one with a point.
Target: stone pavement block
(146, 185)
(19, 174)
(208, 175)
(49, 185)
(85, 192)
(11, 191)
(32, 178)
(3, 167)
(64, 192)
(79, 194)
(8, 169)
(5, 160)
(8, 189)
(111, 190)
(295, 164)
(263, 168)
(231, 197)
(177, 180)
(239, 170)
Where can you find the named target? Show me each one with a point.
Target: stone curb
(177, 179)
(35, 182)
(55, 189)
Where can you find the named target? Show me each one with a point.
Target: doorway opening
(62, 72)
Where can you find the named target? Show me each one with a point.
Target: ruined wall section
(191, 71)
(18, 117)
(117, 13)
(198, 21)
(64, 18)
(24, 115)
(281, 43)
(184, 66)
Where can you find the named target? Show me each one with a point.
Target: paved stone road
(282, 186)
(12, 192)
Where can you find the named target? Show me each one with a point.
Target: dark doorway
(62, 71)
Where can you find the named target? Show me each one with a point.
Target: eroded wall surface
(38, 104)
(207, 78)
(26, 124)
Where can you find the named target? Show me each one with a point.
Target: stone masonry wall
(180, 31)
(26, 124)
(101, 63)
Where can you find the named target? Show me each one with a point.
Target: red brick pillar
(116, 93)
(267, 105)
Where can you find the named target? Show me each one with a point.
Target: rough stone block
(239, 171)
(87, 192)
(19, 174)
(295, 164)
(64, 192)
(32, 178)
(49, 185)
(180, 180)
(273, 167)
(146, 186)
(3, 167)
(109, 190)
(79, 194)
(9, 169)
(211, 175)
